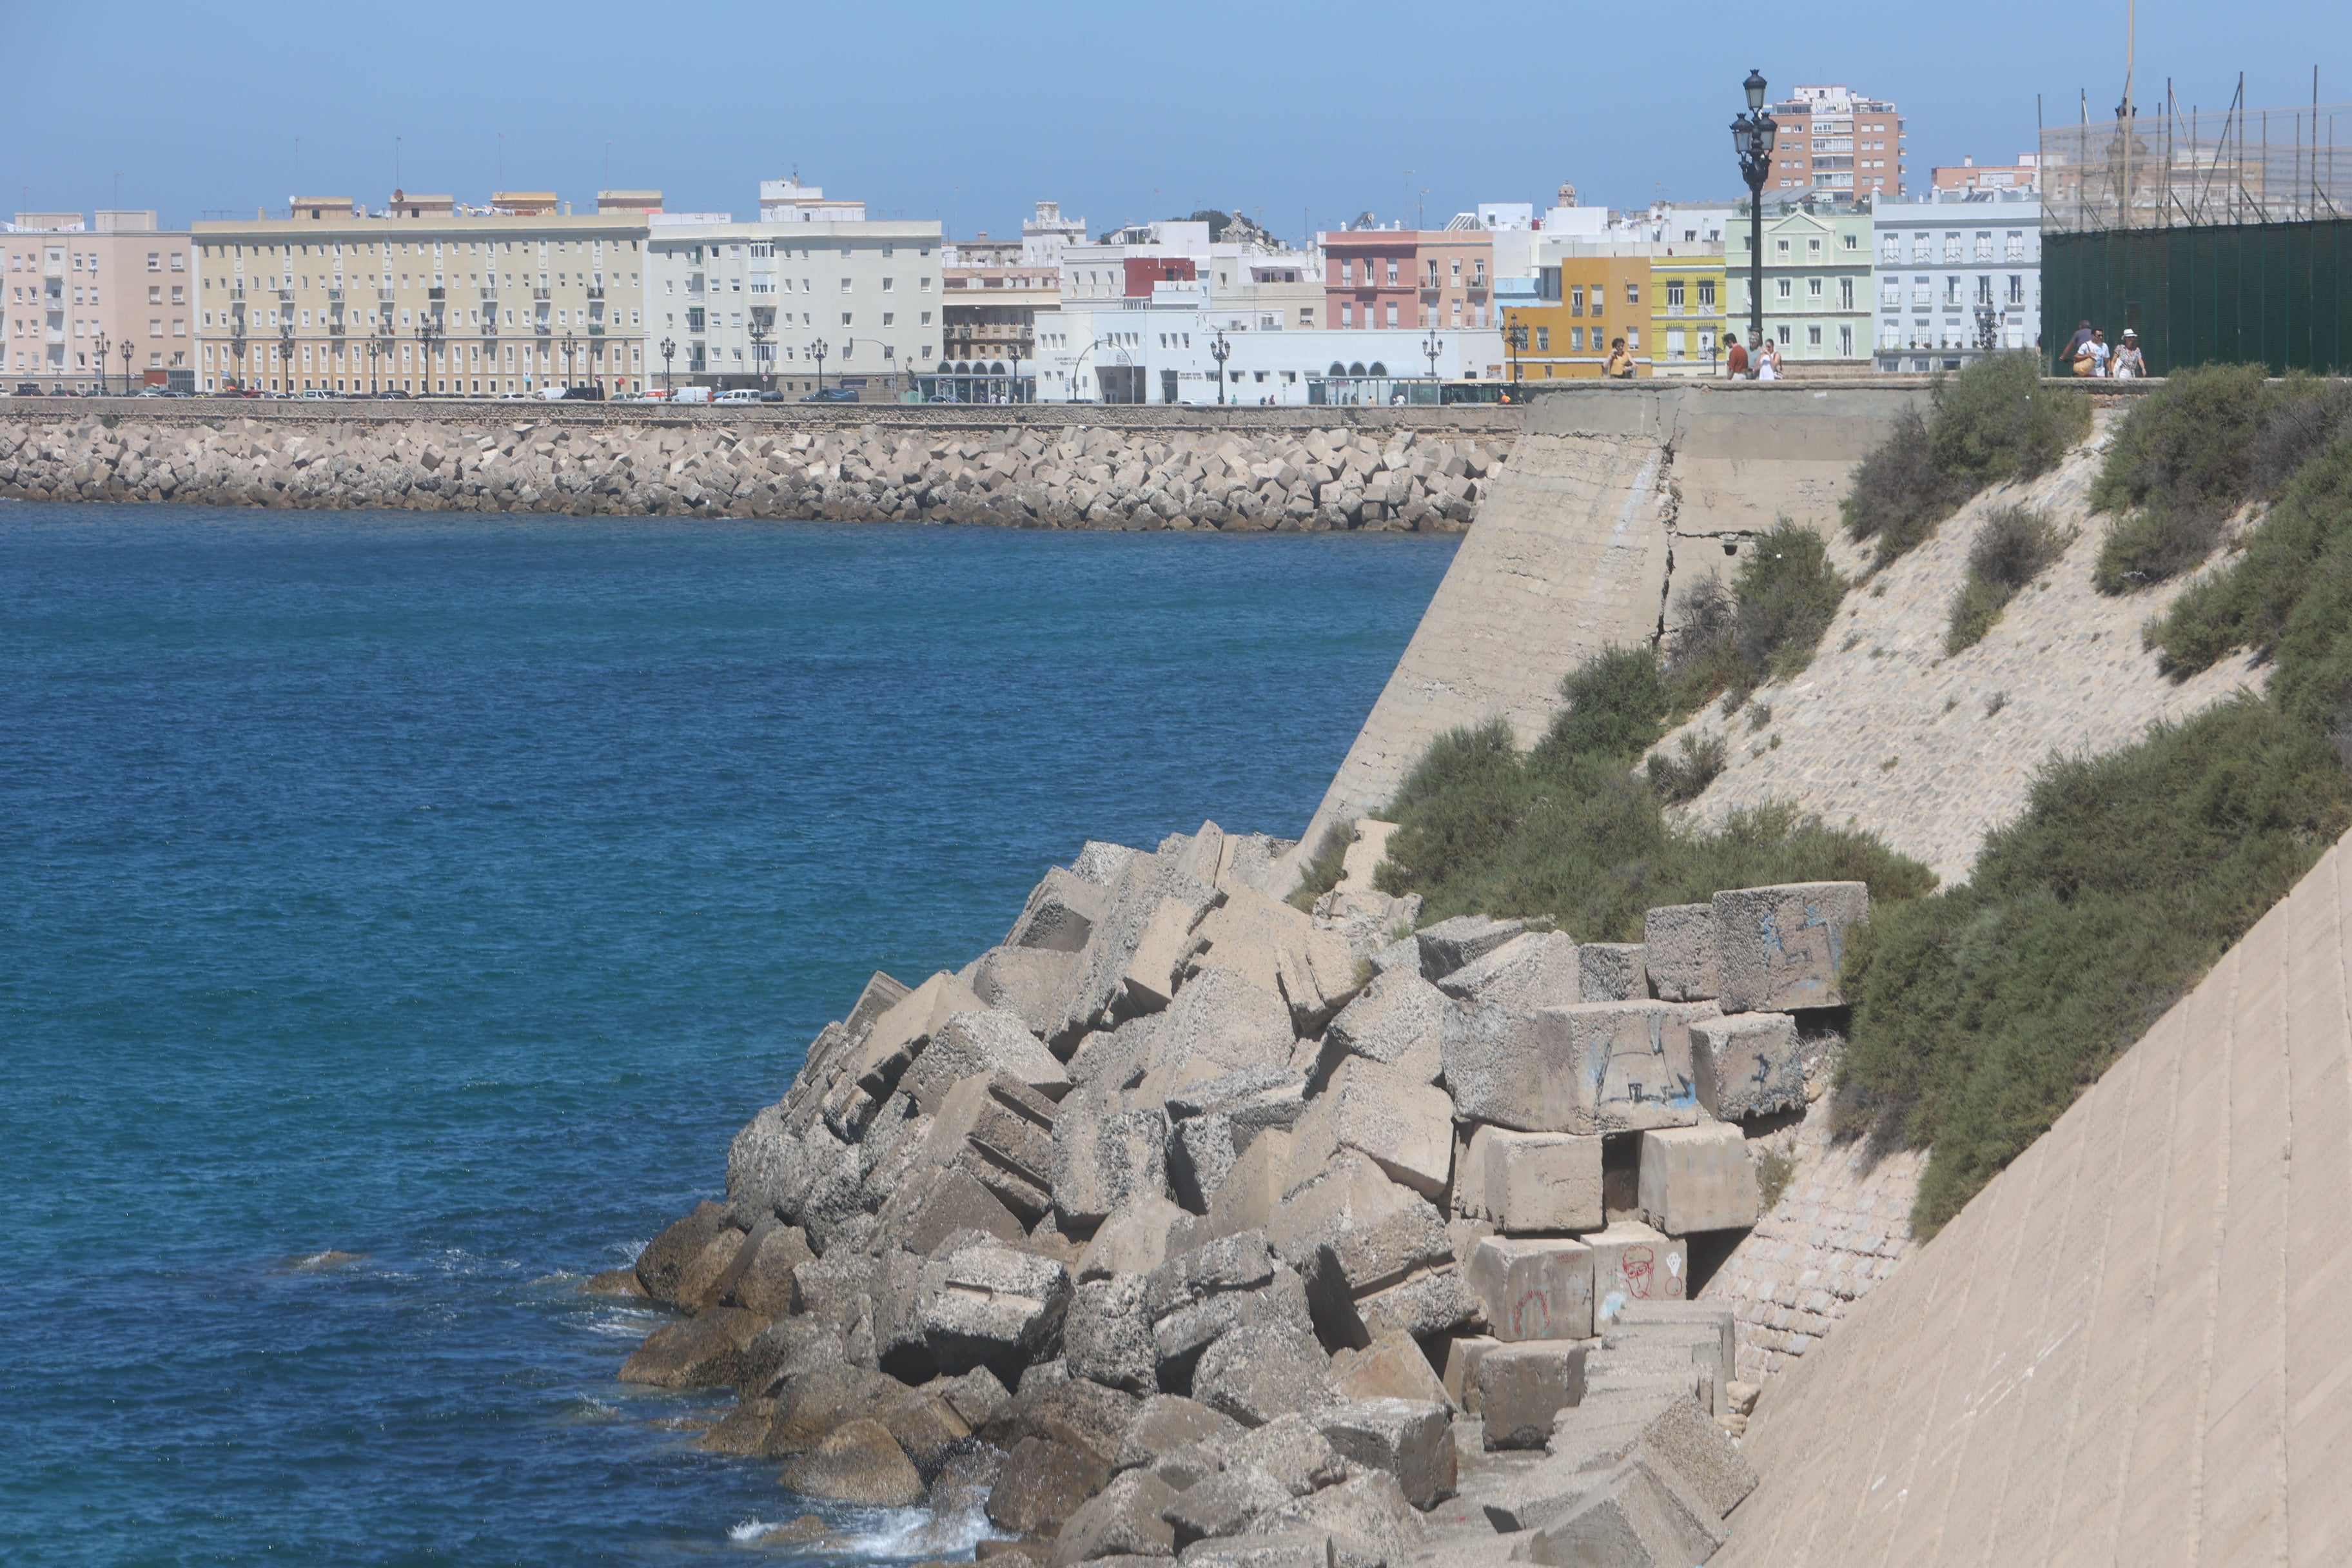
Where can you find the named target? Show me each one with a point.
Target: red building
(1409, 278)
(1143, 271)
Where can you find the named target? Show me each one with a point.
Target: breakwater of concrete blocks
(1186, 1223)
(1029, 466)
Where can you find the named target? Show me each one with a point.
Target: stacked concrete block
(1522, 1389)
(1533, 1288)
(1612, 972)
(1779, 948)
(1531, 1184)
(1748, 1065)
(1698, 1179)
(1532, 971)
(1680, 953)
(1596, 1067)
(1633, 1262)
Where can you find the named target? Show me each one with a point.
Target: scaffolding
(2187, 168)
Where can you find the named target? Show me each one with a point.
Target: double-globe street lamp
(668, 351)
(1752, 135)
(102, 346)
(816, 351)
(1220, 351)
(1431, 347)
(123, 347)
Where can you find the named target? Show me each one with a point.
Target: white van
(691, 394)
(738, 394)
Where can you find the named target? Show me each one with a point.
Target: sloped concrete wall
(1574, 548)
(2134, 1345)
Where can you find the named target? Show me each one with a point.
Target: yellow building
(1585, 299)
(425, 297)
(1688, 301)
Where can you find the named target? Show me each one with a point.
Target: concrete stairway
(2134, 1346)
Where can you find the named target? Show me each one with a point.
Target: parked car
(28, 389)
(691, 394)
(738, 394)
(832, 394)
(772, 394)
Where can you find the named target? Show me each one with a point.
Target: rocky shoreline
(1184, 1224)
(1023, 473)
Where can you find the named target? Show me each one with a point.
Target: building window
(1392, 314)
(1543, 339)
(1393, 269)
(1784, 337)
(1706, 294)
(1632, 293)
(1812, 288)
(2016, 290)
(1845, 293)
(1846, 342)
(1787, 288)
(1814, 336)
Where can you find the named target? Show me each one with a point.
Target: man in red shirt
(1735, 362)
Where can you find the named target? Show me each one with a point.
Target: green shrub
(1766, 626)
(2248, 605)
(1324, 870)
(1576, 834)
(1686, 775)
(1615, 703)
(2301, 416)
(1979, 1014)
(1996, 421)
(2180, 463)
(1787, 592)
(2015, 545)
(1992, 422)
(1898, 494)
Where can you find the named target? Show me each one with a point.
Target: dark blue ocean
(447, 891)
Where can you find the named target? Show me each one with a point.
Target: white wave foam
(750, 1530)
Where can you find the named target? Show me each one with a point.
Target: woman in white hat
(2127, 362)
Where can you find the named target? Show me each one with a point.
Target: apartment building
(1959, 274)
(1412, 280)
(1587, 296)
(789, 302)
(107, 302)
(1689, 297)
(423, 295)
(1835, 146)
(1817, 279)
(992, 292)
(1967, 174)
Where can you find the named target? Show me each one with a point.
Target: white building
(789, 201)
(1162, 350)
(1045, 236)
(1953, 270)
(788, 299)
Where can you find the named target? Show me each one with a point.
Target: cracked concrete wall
(1574, 549)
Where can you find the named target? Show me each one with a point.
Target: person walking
(2074, 344)
(1734, 359)
(1621, 363)
(2127, 364)
(1768, 363)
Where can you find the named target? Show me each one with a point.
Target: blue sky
(969, 113)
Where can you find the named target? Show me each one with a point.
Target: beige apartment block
(424, 296)
(79, 293)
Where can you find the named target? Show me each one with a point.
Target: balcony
(437, 295)
(542, 294)
(334, 297)
(595, 293)
(595, 329)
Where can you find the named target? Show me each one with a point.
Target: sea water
(445, 892)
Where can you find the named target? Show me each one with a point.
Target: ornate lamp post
(1431, 347)
(286, 350)
(103, 344)
(375, 351)
(1517, 338)
(124, 350)
(816, 352)
(760, 347)
(1752, 135)
(1219, 351)
(668, 349)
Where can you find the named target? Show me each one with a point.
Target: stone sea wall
(1032, 467)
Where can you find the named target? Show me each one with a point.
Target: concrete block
(1533, 1288)
(1256, 1374)
(1681, 957)
(1522, 1388)
(1606, 1066)
(1434, 1301)
(1405, 1128)
(1152, 970)
(1779, 948)
(1532, 971)
(1398, 1021)
(1133, 1240)
(1632, 1262)
(1612, 972)
(1291, 1451)
(1451, 944)
(1746, 1064)
(1105, 1156)
(1248, 934)
(1698, 1178)
(1633, 1517)
(1411, 1439)
(873, 1066)
(1061, 913)
(1219, 1024)
(1536, 1182)
(1457, 1357)
(1393, 1367)
(1027, 982)
(1708, 1328)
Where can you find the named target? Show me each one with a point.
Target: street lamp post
(124, 350)
(1431, 347)
(286, 350)
(816, 352)
(1219, 350)
(668, 349)
(375, 353)
(571, 358)
(102, 346)
(758, 348)
(1752, 135)
(1517, 338)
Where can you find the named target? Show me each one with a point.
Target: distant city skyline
(1300, 117)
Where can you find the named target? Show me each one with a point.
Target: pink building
(1408, 279)
(71, 286)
